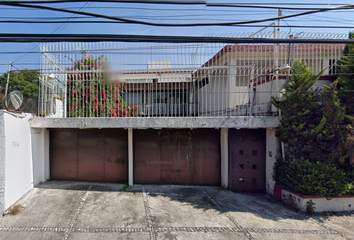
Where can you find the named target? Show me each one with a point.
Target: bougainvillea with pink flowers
(90, 94)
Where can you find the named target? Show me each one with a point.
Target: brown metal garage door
(247, 160)
(91, 155)
(177, 156)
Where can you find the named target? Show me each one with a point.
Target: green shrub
(313, 178)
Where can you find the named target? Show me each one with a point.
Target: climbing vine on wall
(91, 94)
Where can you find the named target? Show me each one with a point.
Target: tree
(318, 133)
(90, 94)
(301, 114)
(25, 80)
(336, 138)
(346, 77)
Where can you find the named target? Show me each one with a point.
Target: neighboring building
(240, 75)
(160, 90)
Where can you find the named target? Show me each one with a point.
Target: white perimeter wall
(319, 204)
(24, 157)
(2, 162)
(18, 157)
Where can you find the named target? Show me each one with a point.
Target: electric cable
(349, 6)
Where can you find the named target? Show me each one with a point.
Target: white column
(46, 141)
(224, 141)
(130, 156)
(272, 153)
(40, 155)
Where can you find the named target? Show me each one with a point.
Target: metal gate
(177, 156)
(90, 155)
(247, 160)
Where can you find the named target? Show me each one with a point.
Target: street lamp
(283, 68)
(51, 76)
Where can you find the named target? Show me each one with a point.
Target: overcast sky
(153, 13)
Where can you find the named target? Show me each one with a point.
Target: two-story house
(204, 116)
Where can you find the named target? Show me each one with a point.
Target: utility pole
(8, 78)
(276, 57)
(277, 75)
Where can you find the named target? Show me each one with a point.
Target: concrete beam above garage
(158, 122)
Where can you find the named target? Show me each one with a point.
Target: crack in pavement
(148, 215)
(169, 229)
(244, 230)
(78, 210)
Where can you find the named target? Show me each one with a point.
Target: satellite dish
(14, 100)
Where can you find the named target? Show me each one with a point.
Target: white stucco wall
(24, 157)
(161, 76)
(272, 153)
(2, 162)
(265, 90)
(215, 96)
(319, 204)
(58, 109)
(18, 157)
(40, 154)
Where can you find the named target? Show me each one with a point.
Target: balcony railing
(171, 79)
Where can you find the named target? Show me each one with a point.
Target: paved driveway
(73, 210)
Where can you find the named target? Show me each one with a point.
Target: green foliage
(89, 94)
(335, 139)
(318, 133)
(310, 207)
(301, 114)
(24, 80)
(312, 178)
(346, 77)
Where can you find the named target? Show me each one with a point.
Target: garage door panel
(91, 155)
(116, 154)
(176, 157)
(146, 156)
(63, 154)
(206, 157)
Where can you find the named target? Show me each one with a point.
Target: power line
(115, 1)
(226, 5)
(132, 8)
(276, 5)
(181, 2)
(168, 18)
(291, 3)
(165, 18)
(26, 53)
(68, 20)
(350, 6)
(8, 37)
(52, 33)
(235, 25)
(141, 16)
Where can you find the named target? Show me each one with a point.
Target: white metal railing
(119, 79)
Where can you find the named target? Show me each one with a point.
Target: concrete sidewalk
(81, 210)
